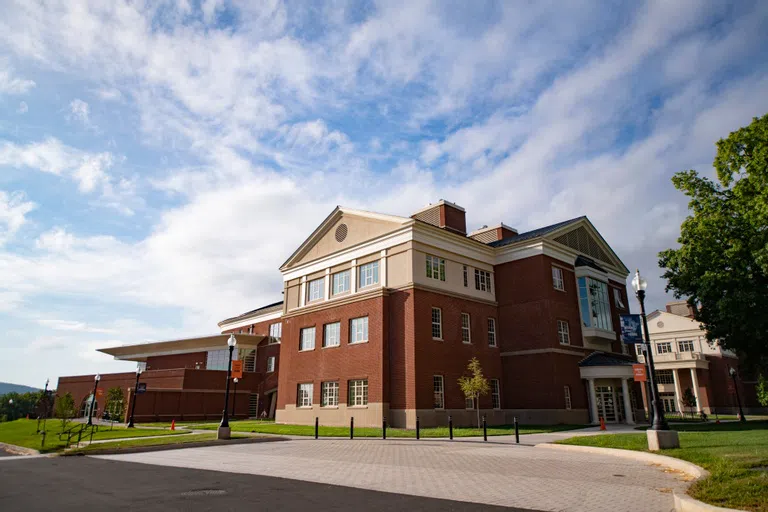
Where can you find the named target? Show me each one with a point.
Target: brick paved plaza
(489, 473)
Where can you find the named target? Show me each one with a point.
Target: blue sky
(159, 160)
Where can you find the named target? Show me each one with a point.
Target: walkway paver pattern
(494, 473)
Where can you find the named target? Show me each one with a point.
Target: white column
(353, 277)
(327, 284)
(593, 401)
(303, 292)
(695, 382)
(628, 412)
(383, 268)
(678, 393)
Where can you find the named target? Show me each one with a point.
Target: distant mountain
(7, 387)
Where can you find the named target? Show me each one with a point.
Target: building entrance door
(606, 403)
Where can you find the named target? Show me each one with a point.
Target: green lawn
(736, 455)
(157, 441)
(325, 431)
(24, 433)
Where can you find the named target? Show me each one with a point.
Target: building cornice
(341, 301)
(249, 320)
(535, 351)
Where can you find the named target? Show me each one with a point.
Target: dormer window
(594, 305)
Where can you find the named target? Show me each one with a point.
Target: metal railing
(79, 430)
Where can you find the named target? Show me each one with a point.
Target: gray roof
(535, 233)
(277, 306)
(604, 359)
(583, 261)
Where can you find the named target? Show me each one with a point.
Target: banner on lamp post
(631, 329)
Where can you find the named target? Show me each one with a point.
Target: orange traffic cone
(173, 424)
(602, 423)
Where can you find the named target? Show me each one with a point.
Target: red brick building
(381, 315)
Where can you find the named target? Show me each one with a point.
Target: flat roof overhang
(141, 351)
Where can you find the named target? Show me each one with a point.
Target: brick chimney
(445, 215)
(492, 234)
(680, 308)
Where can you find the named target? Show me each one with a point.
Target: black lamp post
(231, 342)
(732, 372)
(93, 398)
(135, 396)
(234, 398)
(659, 421)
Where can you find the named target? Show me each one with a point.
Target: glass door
(606, 403)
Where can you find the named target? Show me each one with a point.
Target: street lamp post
(135, 396)
(732, 372)
(234, 398)
(224, 431)
(93, 398)
(669, 437)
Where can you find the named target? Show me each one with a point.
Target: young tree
(64, 409)
(115, 404)
(762, 390)
(475, 386)
(722, 262)
(689, 400)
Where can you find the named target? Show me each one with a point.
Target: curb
(18, 450)
(683, 503)
(164, 447)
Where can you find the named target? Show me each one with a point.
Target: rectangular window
(307, 341)
(369, 274)
(358, 330)
(466, 277)
(469, 403)
(617, 300)
(437, 324)
(358, 392)
(491, 332)
(276, 331)
(482, 280)
(219, 359)
(639, 349)
(340, 282)
(567, 390)
(594, 305)
(685, 346)
(250, 329)
(435, 268)
(495, 394)
(332, 335)
(329, 392)
(270, 364)
(466, 331)
(664, 377)
(304, 395)
(664, 347)
(316, 289)
(557, 279)
(563, 332)
(437, 385)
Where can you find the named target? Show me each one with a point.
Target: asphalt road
(84, 483)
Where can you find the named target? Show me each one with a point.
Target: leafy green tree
(115, 404)
(475, 385)
(762, 390)
(64, 409)
(722, 262)
(689, 399)
(17, 405)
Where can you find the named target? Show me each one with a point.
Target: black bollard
(517, 432)
(450, 428)
(384, 428)
(485, 430)
(317, 427)
(352, 428)
(417, 427)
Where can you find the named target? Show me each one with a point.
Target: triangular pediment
(342, 229)
(662, 322)
(583, 238)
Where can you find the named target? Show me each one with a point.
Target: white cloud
(109, 94)
(9, 84)
(79, 110)
(23, 108)
(13, 211)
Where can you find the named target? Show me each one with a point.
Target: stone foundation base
(223, 433)
(662, 439)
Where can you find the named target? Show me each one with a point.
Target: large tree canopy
(722, 262)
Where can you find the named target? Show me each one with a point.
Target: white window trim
(492, 321)
(360, 268)
(311, 393)
(322, 394)
(567, 332)
(568, 402)
(498, 387)
(301, 340)
(560, 279)
(325, 337)
(367, 332)
(273, 360)
(440, 262)
(468, 341)
(440, 323)
(349, 392)
(349, 283)
(442, 392)
(321, 281)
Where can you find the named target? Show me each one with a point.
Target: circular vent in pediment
(659, 324)
(341, 232)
